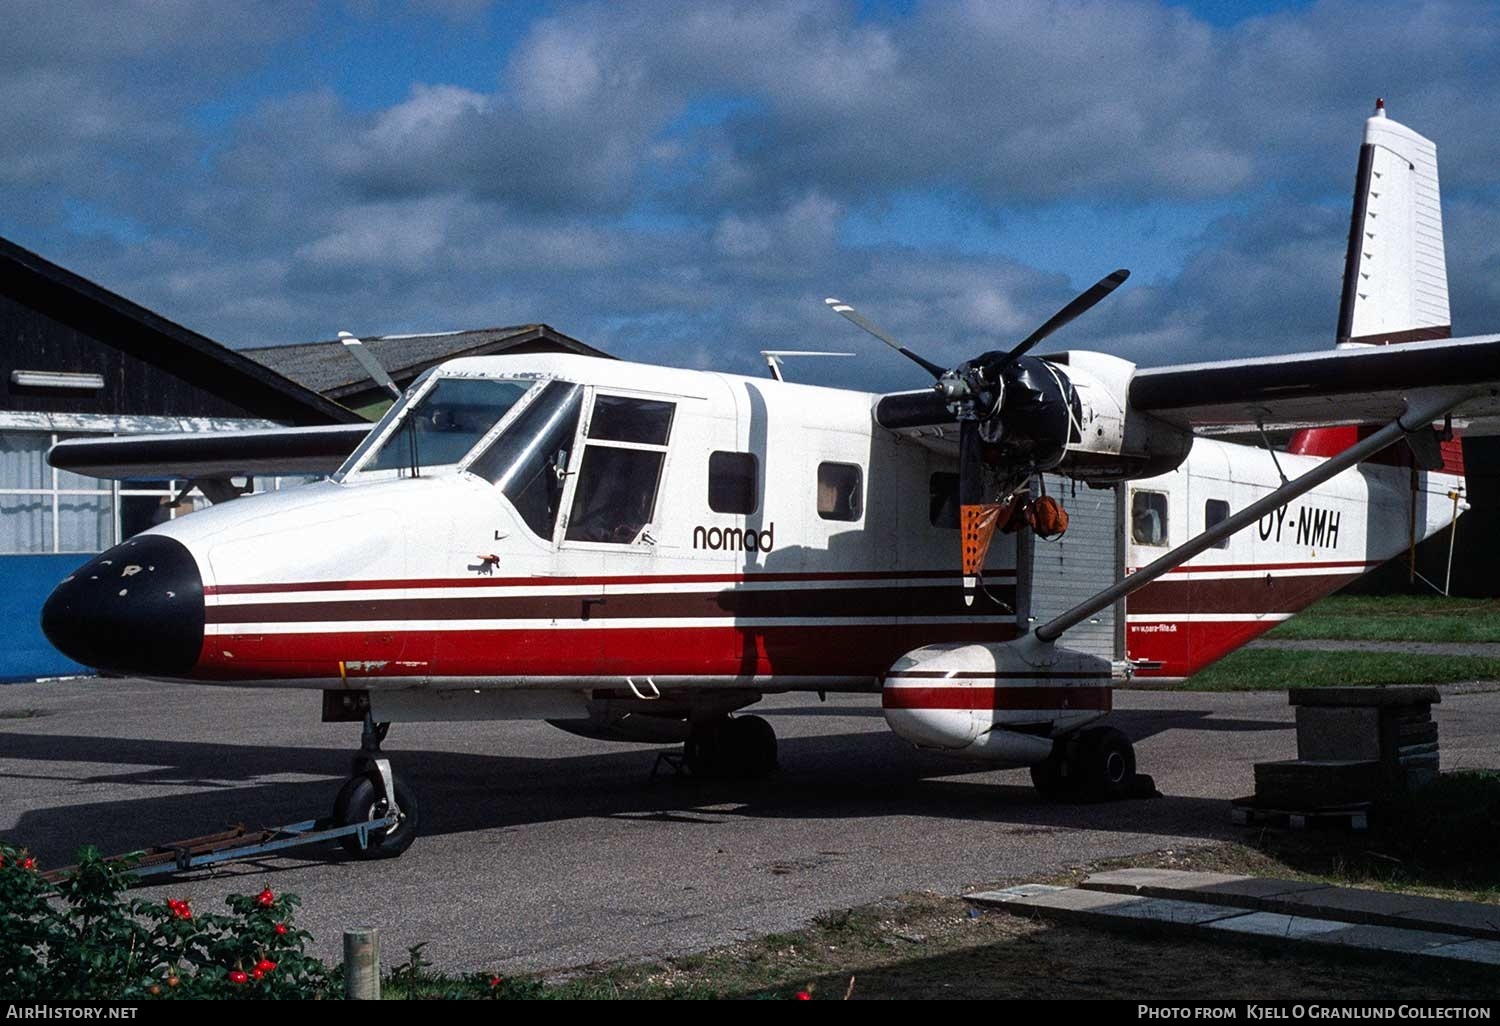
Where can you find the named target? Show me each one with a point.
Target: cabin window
(1215, 512)
(529, 461)
(619, 418)
(839, 488)
(450, 418)
(732, 482)
(1148, 518)
(942, 500)
(618, 477)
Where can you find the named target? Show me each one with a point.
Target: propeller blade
(851, 315)
(1103, 287)
(367, 361)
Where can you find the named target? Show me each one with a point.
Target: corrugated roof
(326, 368)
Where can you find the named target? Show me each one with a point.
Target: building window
(46, 510)
(839, 491)
(626, 448)
(1148, 518)
(1215, 512)
(942, 500)
(732, 482)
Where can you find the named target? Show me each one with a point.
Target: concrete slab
(1276, 925)
(1388, 939)
(1481, 952)
(1248, 892)
(1469, 918)
(1001, 897)
(1126, 881)
(1356, 905)
(1092, 906)
(1062, 900)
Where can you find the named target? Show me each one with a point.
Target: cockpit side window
(615, 497)
(439, 429)
(529, 461)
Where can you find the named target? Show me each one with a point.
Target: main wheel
(1105, 764)
(362, 800)
(752, 742)
(744, 746)
(1051, 778)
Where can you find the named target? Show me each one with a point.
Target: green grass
(1395, 618)
(1269, 669)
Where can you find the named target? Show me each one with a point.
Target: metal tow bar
(237, 843)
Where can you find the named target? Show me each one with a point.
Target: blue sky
(684, 182)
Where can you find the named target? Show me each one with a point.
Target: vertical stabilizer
(1395, 273)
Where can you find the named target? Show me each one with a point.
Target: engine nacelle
(1111, 441)
(1066, 412)
(998, 703)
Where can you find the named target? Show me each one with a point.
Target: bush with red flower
(82, 938)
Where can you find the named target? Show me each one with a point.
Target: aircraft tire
(743, 747)
(359, 800)
(1051, 779)
(753, 742)
(1105, 765)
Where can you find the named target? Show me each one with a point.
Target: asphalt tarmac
(540, 850)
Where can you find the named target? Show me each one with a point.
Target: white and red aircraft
(635, 552)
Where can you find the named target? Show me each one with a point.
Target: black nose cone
(137, 608)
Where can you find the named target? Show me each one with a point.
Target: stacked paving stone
(1354, 745)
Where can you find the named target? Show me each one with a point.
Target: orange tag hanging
(979, 522)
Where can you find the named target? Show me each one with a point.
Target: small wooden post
(362, 964)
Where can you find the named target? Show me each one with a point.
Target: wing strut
(1419, 416)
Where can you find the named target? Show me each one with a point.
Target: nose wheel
(732, 747)
(373, 794)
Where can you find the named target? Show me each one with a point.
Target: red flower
(258, 973)
(265, 899)
(265, 965)
(236, 976)
(495, 981)
(803, 995)
(281, 929)
(28, 863)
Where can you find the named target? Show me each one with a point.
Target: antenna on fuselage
(773, 358)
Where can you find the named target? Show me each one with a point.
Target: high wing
(279, 451)
(1352, 385)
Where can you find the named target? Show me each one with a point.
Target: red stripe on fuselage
(728, 651)
(980, 697)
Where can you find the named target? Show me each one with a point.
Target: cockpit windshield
(440, 427)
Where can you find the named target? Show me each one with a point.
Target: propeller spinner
(1014, 414)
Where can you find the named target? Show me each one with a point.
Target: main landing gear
(732, 746)
(1093, 765)
(372, 794)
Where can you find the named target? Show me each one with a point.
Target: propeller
(1017, 406)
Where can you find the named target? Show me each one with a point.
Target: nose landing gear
(372, 794)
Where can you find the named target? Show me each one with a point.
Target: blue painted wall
(25, 583)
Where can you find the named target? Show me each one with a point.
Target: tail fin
(1395, 272)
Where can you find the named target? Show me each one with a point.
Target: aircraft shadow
(854, 775)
